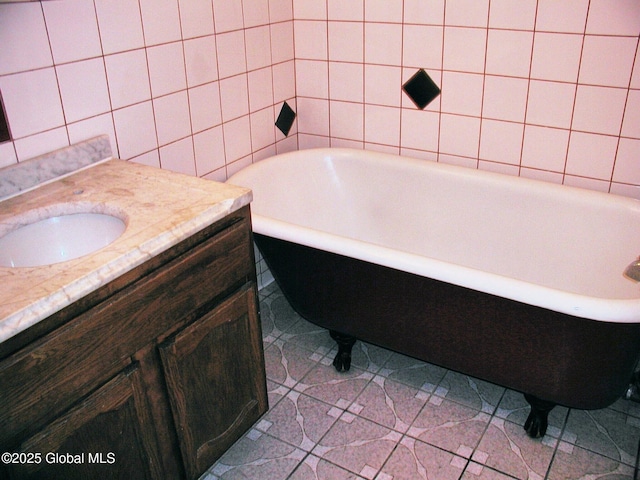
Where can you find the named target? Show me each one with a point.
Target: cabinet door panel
(99, 438)
(214, 370)
(47, 377)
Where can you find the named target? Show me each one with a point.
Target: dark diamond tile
(285, 119)
(421, 89)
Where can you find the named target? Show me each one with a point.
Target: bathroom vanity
(144, 359)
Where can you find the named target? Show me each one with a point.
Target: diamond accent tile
(285, 119)
(421, 89)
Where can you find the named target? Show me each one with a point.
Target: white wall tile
(238, 165)
(77, 43)
(509, 53)
(151, 159)
(420, 129)
(550, 104)
(341, 10)
(204, 106)
(209, 150)
(41, 143)
(562, 17)
(7, 154)
(495, 167)
(383, 43)
(545, 148)
(501, 141)
(464, 49)
(586, 183)
(92, 127)
(631, 120)
(381, 125)
(258, 42)
(518, 15)
(83, 88)
(635, 77)
(381, 86)
(227, 15)
(310, 39)
(166, 68)
(128, 78)
(22, 52)
(383, 11)
(313, 116)
(196, 18)
(556, 56)
(422, 46)
(309, 9)
(231, 54)
(346, 120)
(631, 191)
(599, 149)
(234, 97)
(505, 98)
(462, 93)
(346, 41)
(346, 81)
(172, 117)
(262, 128)
(542, 175)
(467, 13)
(32, 102)
(135, 130)
(312, 76)
(459, 135)
(256, 12)
(607, 61)
(260, 89)
(427, 12)
(237, 138)
(160, 21)
(284, 82)
(178, 157)
(280, 10)
(282, 44)
(120, 25)
(614, 17)
(599, 109)
(627, 168)
(200, 60)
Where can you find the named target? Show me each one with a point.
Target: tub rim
(617, 310)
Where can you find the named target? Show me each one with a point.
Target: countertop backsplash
(16, 179)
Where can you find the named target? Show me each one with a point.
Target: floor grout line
(508, 415)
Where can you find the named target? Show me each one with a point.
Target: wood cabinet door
(102, 437)
(214, 370)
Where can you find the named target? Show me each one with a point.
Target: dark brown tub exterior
(553, 358)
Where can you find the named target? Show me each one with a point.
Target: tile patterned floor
(394, 417)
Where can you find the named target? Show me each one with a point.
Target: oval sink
(59, 239)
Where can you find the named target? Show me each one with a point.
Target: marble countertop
(160, 208)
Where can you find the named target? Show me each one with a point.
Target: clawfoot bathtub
(506, 279)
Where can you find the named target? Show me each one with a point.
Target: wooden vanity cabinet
(205, 362)
(154, 376)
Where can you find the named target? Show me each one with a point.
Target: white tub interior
(548, 245)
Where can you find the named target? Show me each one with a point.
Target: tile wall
(193, 86)
(538, 88)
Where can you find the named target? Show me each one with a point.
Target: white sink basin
(59, 239)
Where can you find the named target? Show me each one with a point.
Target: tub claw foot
(536, 424)
(342, 361)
